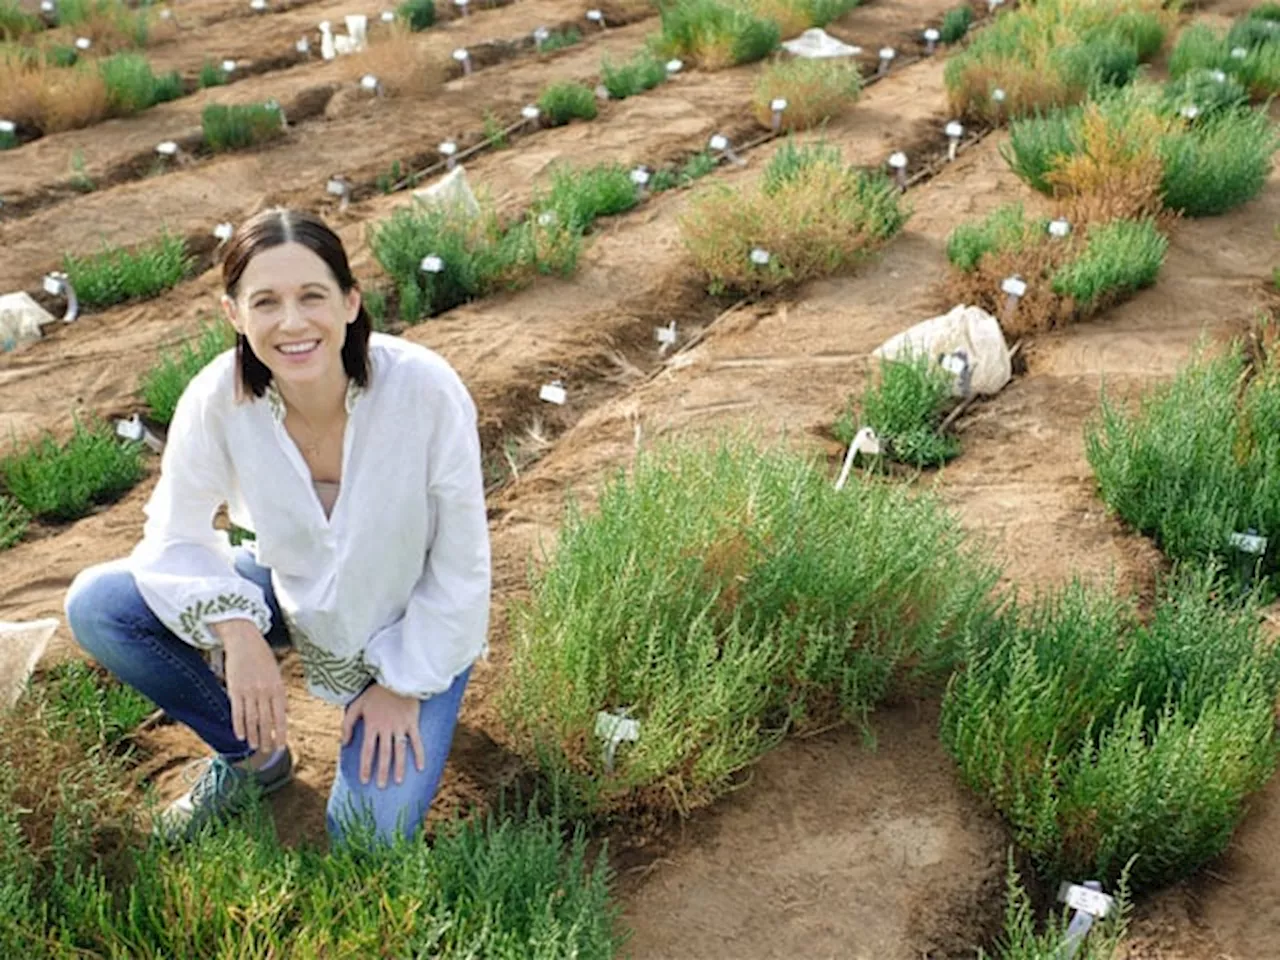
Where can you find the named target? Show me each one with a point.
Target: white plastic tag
(258, 5)
(228, 66)
(615, 727)
(932, 35)
(954, 365)
(460, 55)
(955, 130)
(887, 53)
(130, 429)
(8, 126)
(665, 335)
(223, 231)
(1059, 228)
(83, 43)
(998, 95)
(639, 176)
(760, 257)
(1014, 286)
(778, 104)
(448, 148)
(1092, 902)
(553, 392)
(388, 16)
(1239, 53)
(595, 16)
(167, 149)
(336, 187)
(531, 112)
(1249, 543)
(303, 45)
(369, 82)
(675, 66)
(719, 142)
(431, 264)
(898, 160)
(53, 286)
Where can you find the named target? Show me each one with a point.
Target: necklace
(315, 442)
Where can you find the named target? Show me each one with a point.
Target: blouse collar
(276, 402)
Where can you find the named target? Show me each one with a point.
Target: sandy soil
(830, 849)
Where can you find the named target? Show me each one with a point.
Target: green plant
(821, 218)
(61, 55)
(164, 382)
(715, 34)
(1037, 144)
(115, 275)
(1203, 91)
(16, 23)
(722, 595)
(905, 407)
(375, 302)
(1198, 459)
(494, 132)
(101, 710)
(565, 101)
(236, 126)
(476, 255)
(1103, 738)
(14, 520)
(694, 168)
(1218, 162)
(62, 481)
(559, 39)
(131, 86)
(80, 180)
(8, 139)
(418, 14)
(1118, 258)
(642, 72)
(1200, 49)
(1021, 942)
(815, 90)
(578, 197)
(211, 75)
(1003, 230)
(385, 182)
(955, 24)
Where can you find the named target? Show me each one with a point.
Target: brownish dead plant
(401, 64)
(815, 90)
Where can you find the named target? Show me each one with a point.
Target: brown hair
(272, 228)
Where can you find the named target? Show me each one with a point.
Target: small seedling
(431, 264)
(954, 131)
(371, 84)
(898, 163)
(596, 16)
(57, 284)
(720, 144)
(449, 150)
(931, 37)
(1060, 228)
(464, 58)
(134, 429)
(554, 392)
(1014, 289)
(339, 186)
(776, 106)
(886, 57)
(674, 67)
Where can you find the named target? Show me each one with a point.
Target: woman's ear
(229, 311)
(354, 299)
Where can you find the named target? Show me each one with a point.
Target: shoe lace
(209, 777)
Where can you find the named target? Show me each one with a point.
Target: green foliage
(955, 23)
(62, 481)
(385, 182)
(716, 34)
(61, 55)
(1202, 49)
(163, 383)
(642, 72)
(14, 520)
(478, 255)
(1004, 229)
(8, 140)
(1200, 89)
(905, 407)
(1198, 459)
(236, 126)
(1119, 256)
(723, 595)
(694, 168)
(131, 86)
(1103, 739)
(99, 709)
(578, 197)
(1217, 163)
(417, 14)
(16, 22)
(115, 275)
(822, 12)
(1038, 143)
(565, 101)
(1021, 942)
(559, 39)
(211, 75)
(375, 304)
(494, 132)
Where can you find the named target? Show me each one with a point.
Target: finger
(419, 751)
(385, 752)
(366, 754)
(402, 756)
(251, 720)
(237, 715)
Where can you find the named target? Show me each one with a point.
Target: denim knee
(101, 594)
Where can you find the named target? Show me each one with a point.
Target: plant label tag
(778, 105)
(166, 14)
(530, 112)
(1249, 543)
(52, 286)
(760, 257)
(167, 149)
(887, 53)
(640, 176)
(1014, 286)
(1059, 228)
(336, 187)
(130, 429)
(1093, 902)
(303, 45)
(460, 55)
(1190, 111)
(665, 335)
(998, 95)
(955, 130)
(388, 16)
(431, 264)
(719, 142)
(46, 6)
(932, 35)
(258, 5)
(1218, 76)
(602, 92)
(1239, 53)
(865, 442)
(954, 364)
(448, 148)
(595, 16)
(8, 126)
(546, 218)
(369, 82)
(83, 43)
(553, 392)
(615, 727)
(223, 231)
(675, 66)
(541, 34)
(898, 160)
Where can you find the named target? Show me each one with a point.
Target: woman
(354, 458)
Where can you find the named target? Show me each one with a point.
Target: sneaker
(220, 790)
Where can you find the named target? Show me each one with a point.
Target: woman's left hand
(390, 728)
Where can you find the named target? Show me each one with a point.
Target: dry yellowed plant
(1040, 309)
(792, 16)
(403, 66)
(52, 99)
(815, 90)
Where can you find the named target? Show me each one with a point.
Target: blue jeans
(112, 622)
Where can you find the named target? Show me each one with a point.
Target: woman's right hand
(254, 685)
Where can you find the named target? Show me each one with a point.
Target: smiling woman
(371, 555)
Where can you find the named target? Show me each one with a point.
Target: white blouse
(393, 586)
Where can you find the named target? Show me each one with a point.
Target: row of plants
(107, 24)
(1248, 53)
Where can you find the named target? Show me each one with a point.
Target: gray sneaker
(220, 790)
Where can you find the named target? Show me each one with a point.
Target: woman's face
(294, 314)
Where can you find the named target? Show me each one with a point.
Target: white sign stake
(1239, 53)
(898, 161)
(760, 256)
(1249, 542)
(640, 177)
(448, 150)
(998, 97)
(596, 16)
(1014, 288)
(720, 144)
(886, 57)
(371, 84)
(339, 186)
(228, 67)
(865, 442)
(540, 36)
(993, 4)
(57, 284)
(954, 132)
(553, 392)
(1089, 903)
(387, 16)
(531, 115)
(134, 429)
(223, 232)
(463, 58)
(666, 337)
(777, 106)
(1060, 228)
(931, 38)
(613, 729)
(674, 67)
(47, 6)
(431, 264)
(1190, 111)
(1218, 76)
(462, 6)
(303, 45)
(257, 6)
(83, 43)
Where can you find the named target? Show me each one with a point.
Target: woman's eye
(263, 304)
(313, 296)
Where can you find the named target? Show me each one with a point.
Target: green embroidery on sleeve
(192, 620)
(341, 675)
